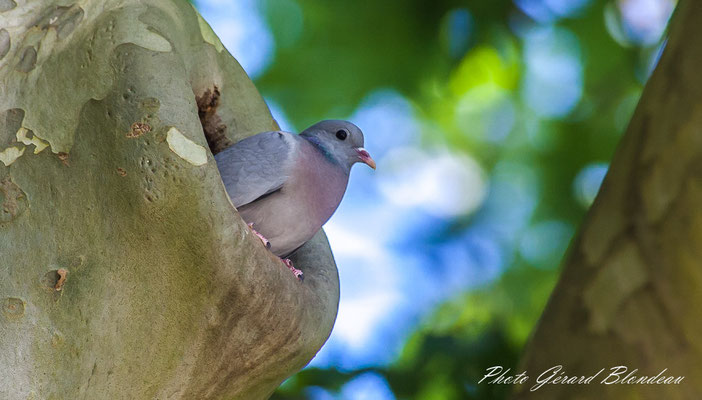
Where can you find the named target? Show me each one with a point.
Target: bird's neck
(322, 149)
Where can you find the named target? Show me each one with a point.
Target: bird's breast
(319, 183)
(292, 215)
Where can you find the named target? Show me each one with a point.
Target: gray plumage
(289, 185)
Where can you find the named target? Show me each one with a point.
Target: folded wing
(256, 166)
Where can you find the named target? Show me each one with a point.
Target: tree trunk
(125, 271)
(631, 288)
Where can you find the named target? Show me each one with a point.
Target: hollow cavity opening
(212, 125)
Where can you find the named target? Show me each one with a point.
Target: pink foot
(265, 241)
(298, 274)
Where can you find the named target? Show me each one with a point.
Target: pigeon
(286, 186)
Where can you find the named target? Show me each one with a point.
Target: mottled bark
(125, 272)
(631, 288)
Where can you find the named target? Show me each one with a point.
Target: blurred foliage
(445, 358)
(336, 52)
(470, 69)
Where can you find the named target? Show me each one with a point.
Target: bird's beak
(365, 157)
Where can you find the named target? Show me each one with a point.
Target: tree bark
(125, 271)
(631, 286)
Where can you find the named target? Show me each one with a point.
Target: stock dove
(286, 186)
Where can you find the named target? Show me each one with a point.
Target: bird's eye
(341, 134)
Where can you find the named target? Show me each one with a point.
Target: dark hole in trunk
(215, 130)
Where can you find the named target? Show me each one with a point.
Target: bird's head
(340, 140)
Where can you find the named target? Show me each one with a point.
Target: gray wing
(256, 166)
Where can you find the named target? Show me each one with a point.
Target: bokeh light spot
(242, 30)
(553, 83)
(546, 11)
(543, 243)
(645, 20)
(587, 183)
(441, 183)
(368, 386)
(456, 30)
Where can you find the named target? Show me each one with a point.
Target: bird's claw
(298, 274)
(265, 241)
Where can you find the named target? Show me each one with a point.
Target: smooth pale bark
(106, 176)
(631, 289)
